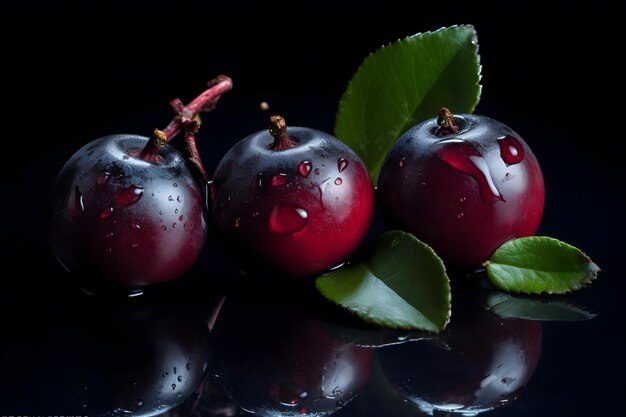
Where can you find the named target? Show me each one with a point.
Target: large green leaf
(537, 264)
(505, 305)
(403, 285)
(404, 83)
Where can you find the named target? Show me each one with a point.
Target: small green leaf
(406, 82)
(506, 305)
(537, 264)
(403, 285)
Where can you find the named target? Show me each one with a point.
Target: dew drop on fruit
(511, 150)
(75, 203)
(106, 213)
(135, 226)
(175, 211)
(173, 387)
(174, 185)
(401, 162)
(279, 180)
(464, 157)
(178, 199)
(317, 171)
(103, 178)
(287, 219)
(173, 225)
(237, 222)
(180, 378)
(128, 196)
(342, 164)
(180, 218)
(338, 181)
(460, 216)
(188, 226)
(170, 198)
(164, 227)
(304, 169)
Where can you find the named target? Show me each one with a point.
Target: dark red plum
(300, 201)
(122, 219)
(464, 184)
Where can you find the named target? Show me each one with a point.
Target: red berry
(300, 201)
(464, 184)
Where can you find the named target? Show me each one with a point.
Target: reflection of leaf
(539, 264)
(403, 285)
(506, 305)
(404, 83)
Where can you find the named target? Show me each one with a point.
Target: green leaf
(403, 285)
(506, 305)
(537, 264)
(404, 83)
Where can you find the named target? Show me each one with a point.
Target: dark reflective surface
(54, 342)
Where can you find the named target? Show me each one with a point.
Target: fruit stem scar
(278, 130)
(447, 125)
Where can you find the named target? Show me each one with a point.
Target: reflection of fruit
(300, 201)
(276, 360)
(480, 362)
(122, 359)
(464, 187)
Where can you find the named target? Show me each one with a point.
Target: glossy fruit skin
(466, 193)
(300, 210)
(120, 220)
(480, 362)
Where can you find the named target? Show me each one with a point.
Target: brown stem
(278, 129)
(447, 125)
(191, 126)
(204, 102)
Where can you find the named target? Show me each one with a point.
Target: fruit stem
(278, 129)
(191, 125)
(203, 103)
(447, 125)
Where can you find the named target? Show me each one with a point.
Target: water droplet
(128, 196)
(138, 403)
(303, 411)
(460, 216)
(279, 180)
(188, 226)
(303, 394)
(317, 171)
(103, 178)
(462, 199)
(339, 403)
(160, 213)
(164, 374)
(188, 366)
(338, 181)
(125, 157)
(511, 150)
(178, 199)
(287, 219)
(180, 378)
(174, 185)
(255, 214)
(342, 164)
(175, 211)
(173, 225)
(135, 226)
(237, 222)
(174, 369)
(304, 169)
(401, 162)
(336, 391)
(75, 203)
(163, 227)
(170, 198)
(463, 156)
(109, 235)
(180, 218)
(173, 387)
(134, 245)
(106, 213)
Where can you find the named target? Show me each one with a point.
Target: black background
(549, 73)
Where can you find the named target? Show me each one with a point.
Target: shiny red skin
(108, 237)
(336, 196)
(463, 214)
